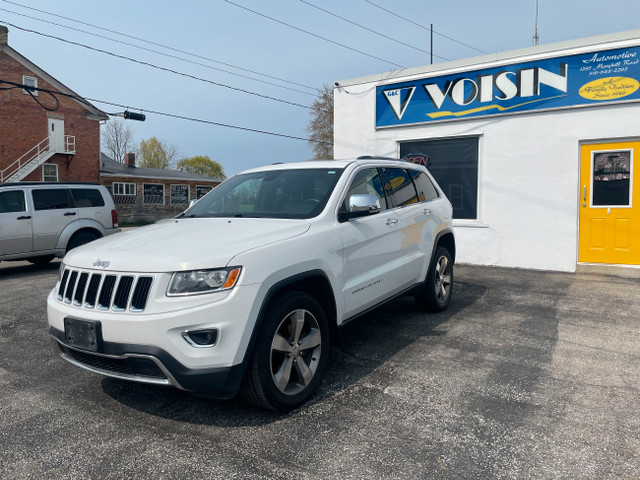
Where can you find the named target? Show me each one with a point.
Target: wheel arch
(445, 239)
(73, 229)
(314, 283)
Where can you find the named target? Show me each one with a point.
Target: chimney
(4, 35)
(130, 160)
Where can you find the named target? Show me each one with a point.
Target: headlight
(203, 281)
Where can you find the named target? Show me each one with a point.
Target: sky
(222, 43)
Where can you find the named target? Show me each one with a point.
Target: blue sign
(576, 80)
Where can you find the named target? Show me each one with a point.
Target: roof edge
(629, 36)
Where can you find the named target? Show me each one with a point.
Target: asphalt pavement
(527, 375)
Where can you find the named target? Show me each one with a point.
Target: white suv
(247, 288)
(43, 220)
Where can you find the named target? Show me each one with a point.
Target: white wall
(528, 173)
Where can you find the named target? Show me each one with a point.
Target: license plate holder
(83, 334)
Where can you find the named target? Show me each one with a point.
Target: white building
(535, 148)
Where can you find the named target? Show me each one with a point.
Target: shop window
(453, 162)
(179, 194)
(202, 190)
(153, 193)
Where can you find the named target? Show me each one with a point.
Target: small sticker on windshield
(331, 172)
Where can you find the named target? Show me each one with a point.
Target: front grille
(133, 366)
(104, 292)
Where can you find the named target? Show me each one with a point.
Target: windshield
(297, 193)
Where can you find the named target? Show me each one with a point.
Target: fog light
(207, 337)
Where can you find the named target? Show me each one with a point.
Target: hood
(184, 244)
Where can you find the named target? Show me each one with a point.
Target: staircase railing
(40, 153)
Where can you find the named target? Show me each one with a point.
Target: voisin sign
(595, 78)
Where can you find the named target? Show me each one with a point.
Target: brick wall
(24, 123)
(133, 209)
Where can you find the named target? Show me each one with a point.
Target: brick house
(41, 145)
(146, 195)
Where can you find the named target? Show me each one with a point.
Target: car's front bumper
(148, 364)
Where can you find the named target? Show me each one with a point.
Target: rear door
(53, 210)
(16, 234)
(90, 204)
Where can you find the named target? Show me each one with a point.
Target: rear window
(51, 199)
(87, 197)
(12, 201)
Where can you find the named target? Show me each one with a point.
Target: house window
(30, 82)
(453, 162)
(179, 194)
(49, 172)
(121, 188)
(153, 193)
(202, 190)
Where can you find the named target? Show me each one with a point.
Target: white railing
(36, 157)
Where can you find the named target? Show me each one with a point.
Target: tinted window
(367, 182)
(426, 190)
(87, 197)
(50, 199)
(12, 201)
(398, 183)
(453, 163)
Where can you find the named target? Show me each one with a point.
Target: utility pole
(536, 39)
(432, 43)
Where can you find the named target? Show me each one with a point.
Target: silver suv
(40, 221)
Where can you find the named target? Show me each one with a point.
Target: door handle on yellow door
(584, 193)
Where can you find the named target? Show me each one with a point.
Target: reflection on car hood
(183, 244)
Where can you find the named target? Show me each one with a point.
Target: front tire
(290, 356)
(435, 293)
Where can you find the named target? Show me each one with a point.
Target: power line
(161, 45)
(165, 69)
(426, 28)
(315, 35)
(155, 112)
(369, 29)
(154, 51)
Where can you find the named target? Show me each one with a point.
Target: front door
(609, 203)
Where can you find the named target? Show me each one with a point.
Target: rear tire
(290, 355)
(435, 293)
(80, 239)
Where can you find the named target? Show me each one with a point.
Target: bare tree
(117, 139)
(320, 128)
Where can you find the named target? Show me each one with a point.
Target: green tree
(320, 128)
(201, 165)
(154, 153)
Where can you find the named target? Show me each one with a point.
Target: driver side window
(366, 181)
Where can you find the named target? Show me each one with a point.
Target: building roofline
(582, 45)
(93, 110)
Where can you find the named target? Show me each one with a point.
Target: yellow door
(609, 203)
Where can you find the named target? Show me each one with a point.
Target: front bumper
(152, 365)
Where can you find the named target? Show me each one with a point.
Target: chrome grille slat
(115, 292)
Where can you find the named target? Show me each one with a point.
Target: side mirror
(360, 205)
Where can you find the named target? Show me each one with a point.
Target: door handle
(24, 217)
(391, 221)
(69, 214)
(584, 193)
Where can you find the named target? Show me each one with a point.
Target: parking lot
(527, 375)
